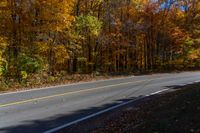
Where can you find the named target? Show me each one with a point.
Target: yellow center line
(67, 93)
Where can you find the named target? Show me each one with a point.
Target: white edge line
(64, 85)
(157, 92)
(90, 116)
(100, 112)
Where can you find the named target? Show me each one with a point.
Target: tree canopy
(85, 36)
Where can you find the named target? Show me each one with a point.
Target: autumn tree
(54, 18)
(109, 36)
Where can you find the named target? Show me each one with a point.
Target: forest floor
(174, 112)
(44, 80)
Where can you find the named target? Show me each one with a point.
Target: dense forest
(97, 36)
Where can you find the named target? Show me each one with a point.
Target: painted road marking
(64, 85)
(74, 92)
(101, 112)
(157, 92)
(79, 83)
(67, 93)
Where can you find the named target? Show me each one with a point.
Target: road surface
(40, 110)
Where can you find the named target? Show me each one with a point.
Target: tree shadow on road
(37, 126)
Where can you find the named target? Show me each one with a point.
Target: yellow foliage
(56, 13)
(3, 62)
(195, 54)
(61, 54)
(180, 14)
(42, 47)
(3, 46)
(23, 74)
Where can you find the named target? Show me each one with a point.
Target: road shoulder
(177, 111)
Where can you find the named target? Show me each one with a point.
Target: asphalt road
(40, 110)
